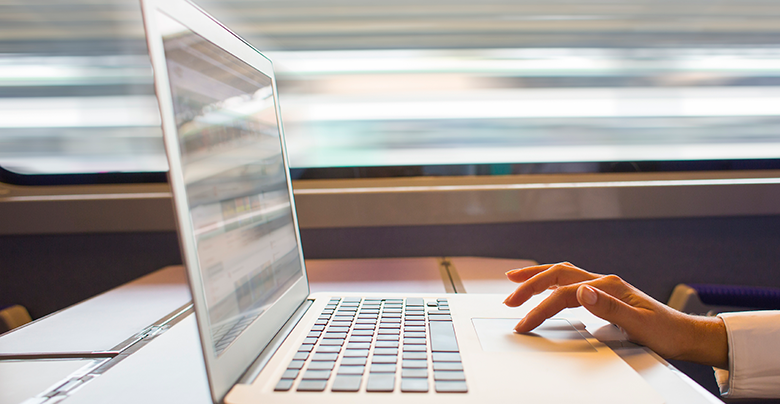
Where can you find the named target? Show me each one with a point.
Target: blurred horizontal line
(86, 197)
(562, 185)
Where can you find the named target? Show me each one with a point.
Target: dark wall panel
(46, 273)
(652, 254)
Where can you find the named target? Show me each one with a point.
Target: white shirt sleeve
(754, 355)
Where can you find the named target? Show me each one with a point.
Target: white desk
(169, 368)
(105, 321)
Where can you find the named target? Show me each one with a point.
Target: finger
(606, 306)
(562, 298)
(557, 275)
(523, 274)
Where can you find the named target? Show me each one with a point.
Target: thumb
(604, 306)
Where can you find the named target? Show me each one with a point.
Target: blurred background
(429, 83)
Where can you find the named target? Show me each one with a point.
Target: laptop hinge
(259, 363)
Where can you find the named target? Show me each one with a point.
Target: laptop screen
(235, 180)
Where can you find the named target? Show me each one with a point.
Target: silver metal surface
(414, 201)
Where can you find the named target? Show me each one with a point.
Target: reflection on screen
(235, 181)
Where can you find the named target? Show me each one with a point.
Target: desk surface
(106, 320)
(178, 372)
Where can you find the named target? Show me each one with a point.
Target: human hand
(644, 320)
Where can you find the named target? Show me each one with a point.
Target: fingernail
(519, 325)
(508, 298)
(510, 272)
(587, 295)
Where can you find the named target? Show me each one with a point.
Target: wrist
(706, 341)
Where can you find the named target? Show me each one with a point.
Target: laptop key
(414, 363)
(449, 375)
(390, 314)
(418, 355)
(383, 368)
(358, 338)
(337, 335)
(415, 348)
(366, 321)
(386, 344)
(284, 384)
(306, 348)
(358, 345)
(363, 353)
(351, 370)
(301, 355)
(328, 349)
(384, 337)
(321, 365)
(413, 372)
(439, 317)
(447, 366)
(353, 361)
(346, 383)
(414, 385)
(338, 342)
(324, 357)
(443, 337)
(290, 374)
(316, 375)
(363, 332)
(451, 387)
(446, 357)
(385, 351)
(312, 385)
(384, 359)
(414, 301)
(380, 382)
(295, 364)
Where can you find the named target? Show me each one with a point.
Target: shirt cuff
(754, 355)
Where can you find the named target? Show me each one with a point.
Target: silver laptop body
(265, 338)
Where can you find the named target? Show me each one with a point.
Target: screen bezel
(223, 371)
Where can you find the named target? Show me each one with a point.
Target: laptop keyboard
(379, 345)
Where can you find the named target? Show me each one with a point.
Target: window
(440, 86)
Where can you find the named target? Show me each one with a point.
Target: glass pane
(370, 83)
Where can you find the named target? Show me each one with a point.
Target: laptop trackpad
(554, 335)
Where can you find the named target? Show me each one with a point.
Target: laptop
(264, 337)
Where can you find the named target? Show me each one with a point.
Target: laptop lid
(231, 189)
